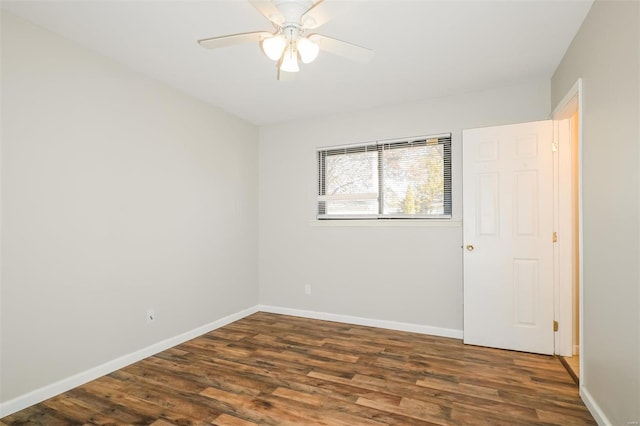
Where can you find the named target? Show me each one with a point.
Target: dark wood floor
(282, 370)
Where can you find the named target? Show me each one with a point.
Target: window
(400, 179)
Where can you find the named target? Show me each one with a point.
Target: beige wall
(385, 271)
(605, 53)
(119, 194)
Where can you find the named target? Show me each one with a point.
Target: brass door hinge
(554, 238)
(555, 326)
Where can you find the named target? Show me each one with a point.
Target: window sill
(392, 223)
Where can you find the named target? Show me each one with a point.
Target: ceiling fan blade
(323, 11)
(342, 48)
(269, 11)
(286, 76)
(233, 39)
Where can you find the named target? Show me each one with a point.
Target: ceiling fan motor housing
(292, 10)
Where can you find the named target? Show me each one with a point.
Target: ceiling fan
(293, 19)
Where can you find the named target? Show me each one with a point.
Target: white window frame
(444, 139)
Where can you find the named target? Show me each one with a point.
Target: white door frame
(563, 253)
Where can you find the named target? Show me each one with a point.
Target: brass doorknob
(470, 247)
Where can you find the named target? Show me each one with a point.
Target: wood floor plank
(412, 413)
(104, 404)
(562, 418)
(138, 398)
(305, 398)
(79, 411)
(448, 399)
(461, 388)
(162, 422)
(273, 369)
(227, 420)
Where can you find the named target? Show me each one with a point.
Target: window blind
(399, 179)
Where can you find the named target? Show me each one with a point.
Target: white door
(508, 231)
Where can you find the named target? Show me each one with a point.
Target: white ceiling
(423, 49)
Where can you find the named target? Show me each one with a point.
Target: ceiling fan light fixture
(289, 44)
(274, 46)
(308, 50)
(289, 61)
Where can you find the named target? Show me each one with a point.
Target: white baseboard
(594, 408)
(348, 319)
(39, 395)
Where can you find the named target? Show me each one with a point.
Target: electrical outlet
(151, 316)
(307, 289)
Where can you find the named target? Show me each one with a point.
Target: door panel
(508, 227)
